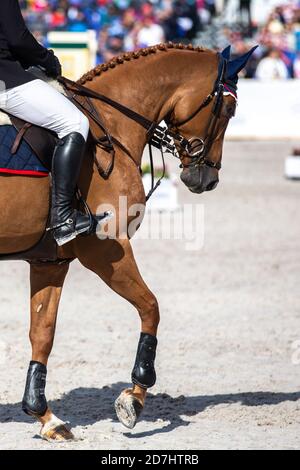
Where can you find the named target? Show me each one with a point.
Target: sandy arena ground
(228, 370)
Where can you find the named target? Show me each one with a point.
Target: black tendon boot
(34, 400)
(67, 222)
(143, 373)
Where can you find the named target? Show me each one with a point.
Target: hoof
(128, 409)
(56, 430)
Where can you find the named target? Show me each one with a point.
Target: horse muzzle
(200, 179)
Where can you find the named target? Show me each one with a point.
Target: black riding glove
(52, 65)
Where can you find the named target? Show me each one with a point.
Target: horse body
(145, 85)
(24, 206)
(169, 82)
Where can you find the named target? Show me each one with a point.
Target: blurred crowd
(278, 56)
(129, 24)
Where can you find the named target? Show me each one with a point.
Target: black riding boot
(67, 222)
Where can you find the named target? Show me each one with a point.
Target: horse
(193, 90)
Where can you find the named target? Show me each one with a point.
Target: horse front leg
(46, 286)
(114, 262)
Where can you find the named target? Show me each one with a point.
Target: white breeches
(39, 103)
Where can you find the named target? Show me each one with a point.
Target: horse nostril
(212, 185)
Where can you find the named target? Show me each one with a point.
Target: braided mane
(126, 57)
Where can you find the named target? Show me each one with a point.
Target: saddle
(42, 143)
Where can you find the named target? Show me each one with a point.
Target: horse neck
(150, 86)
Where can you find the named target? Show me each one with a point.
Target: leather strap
(84, 91)
(19, 138)
(105, 141)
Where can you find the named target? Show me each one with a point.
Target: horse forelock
(128, 56)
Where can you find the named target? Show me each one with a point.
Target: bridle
(196, 149)
(167, 139)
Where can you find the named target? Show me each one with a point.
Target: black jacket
(18, 47)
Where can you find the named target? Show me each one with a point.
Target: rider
(28, 98)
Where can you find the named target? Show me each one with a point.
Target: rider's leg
(67, 222)
(42, 105)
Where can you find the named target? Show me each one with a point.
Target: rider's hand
(52, 65)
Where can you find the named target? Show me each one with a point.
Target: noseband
(196, 148)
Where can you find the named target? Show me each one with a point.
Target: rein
(196, 149)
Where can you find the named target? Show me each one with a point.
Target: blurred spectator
(272, 67)
(245, 12)
(150, 33)
(187, 19)
(123, 25)
(297, 66)
(210, 5)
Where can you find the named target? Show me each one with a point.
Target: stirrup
(84, 231)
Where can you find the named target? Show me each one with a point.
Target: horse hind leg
(46, 286)
(116, 265)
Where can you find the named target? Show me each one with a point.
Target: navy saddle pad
(24, 161)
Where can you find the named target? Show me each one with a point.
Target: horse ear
(236, 65)
(226, 53)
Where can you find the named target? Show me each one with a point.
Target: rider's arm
(21, 42)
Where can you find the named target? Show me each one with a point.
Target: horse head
(202, 128)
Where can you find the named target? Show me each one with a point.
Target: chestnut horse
(182, 85)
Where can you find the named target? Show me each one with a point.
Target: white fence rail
(266, 110)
